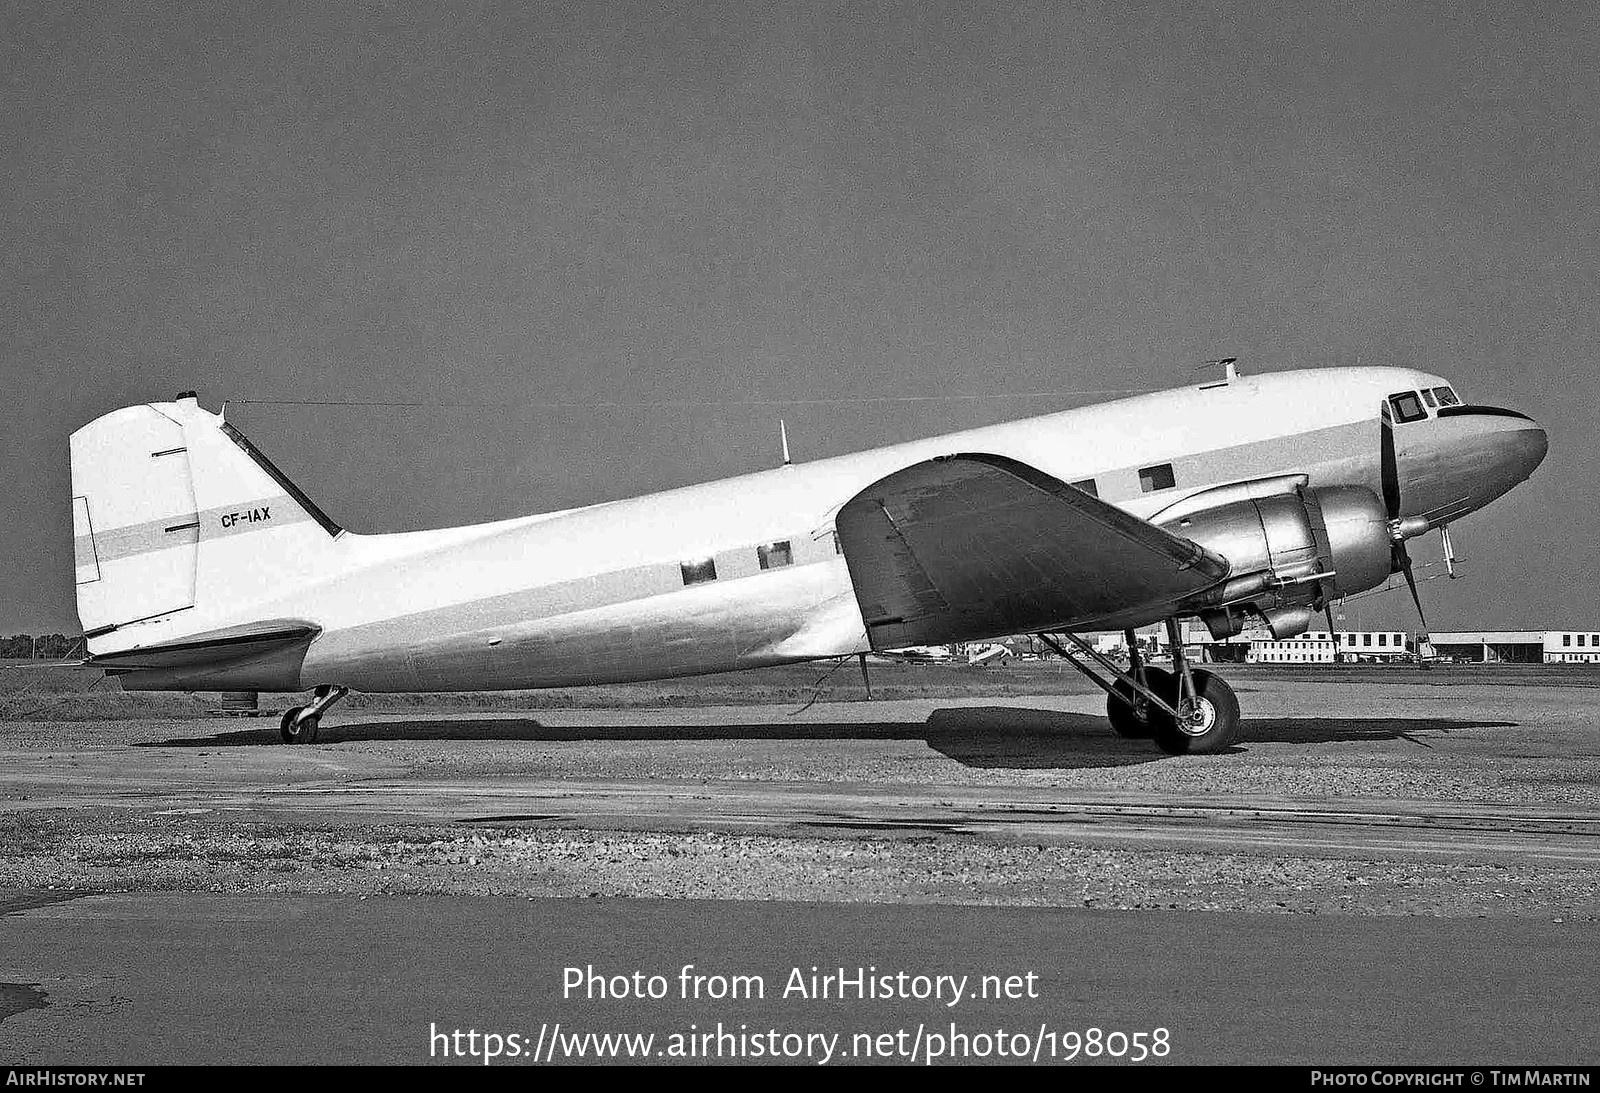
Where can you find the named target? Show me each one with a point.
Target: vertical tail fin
(174, 510)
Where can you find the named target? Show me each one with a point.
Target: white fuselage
(602, 594)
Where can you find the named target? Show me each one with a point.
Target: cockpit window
(1407, 406)
(1427, 396)
(1447, 397)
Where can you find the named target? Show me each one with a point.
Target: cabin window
(1156, 478)
(1447, 397)
(1087, 486)
(699, 572)
(774, 555)
(1407, 406)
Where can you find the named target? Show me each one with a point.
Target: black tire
(1137, 720)
(1219, 727)
(296, 729)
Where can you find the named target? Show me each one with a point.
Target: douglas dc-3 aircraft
(200, 566)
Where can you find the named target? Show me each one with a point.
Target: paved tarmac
(1377, 874)
(157, 978)
(1469, 777)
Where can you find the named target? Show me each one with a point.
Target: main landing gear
(300, 723)
(1187, 711)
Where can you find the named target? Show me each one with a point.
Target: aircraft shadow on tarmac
(990, 737)
(1337, 730)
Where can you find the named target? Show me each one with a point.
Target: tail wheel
(298, 729)
(1208, 722)
(1132, 716)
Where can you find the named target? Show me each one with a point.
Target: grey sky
(520, 205)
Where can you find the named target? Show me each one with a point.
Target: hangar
(1520, 646)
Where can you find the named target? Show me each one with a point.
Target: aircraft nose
(1533, 447)
(1520, 450)
(1506, 446)
(1470, 456)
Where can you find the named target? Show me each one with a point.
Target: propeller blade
(1400, 558)
(1404, 560)
(1388, 466)
(1333, 635)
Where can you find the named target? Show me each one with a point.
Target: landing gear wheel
(295, 728)
(1132, 716)
(1208, 723)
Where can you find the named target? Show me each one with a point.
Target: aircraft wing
(972, 546)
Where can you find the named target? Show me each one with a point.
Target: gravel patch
(123, 853)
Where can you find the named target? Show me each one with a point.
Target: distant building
(1258, 646)
(1568, 647)
(1109, 644)
(1318, 647)
(1152, 639)
(1520, 646)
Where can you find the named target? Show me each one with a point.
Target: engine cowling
(1291, 552)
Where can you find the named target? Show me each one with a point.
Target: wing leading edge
(976, 545)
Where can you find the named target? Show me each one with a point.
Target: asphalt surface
(1402, 870)
(155, 978)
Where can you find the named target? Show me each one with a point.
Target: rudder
(174, 510)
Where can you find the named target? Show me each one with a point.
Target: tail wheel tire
(296, 729)
(1209, 721)
(1131, 714)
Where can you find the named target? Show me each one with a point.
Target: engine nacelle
(1291, 552)
(1361, 548)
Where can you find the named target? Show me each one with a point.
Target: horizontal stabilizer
(235, 643)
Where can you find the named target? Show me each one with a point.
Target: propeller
(1399, 557)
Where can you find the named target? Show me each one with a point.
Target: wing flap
(977, 545)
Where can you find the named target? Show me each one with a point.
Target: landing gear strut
(300, 723)
(1132, 714)
(1188, 711)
